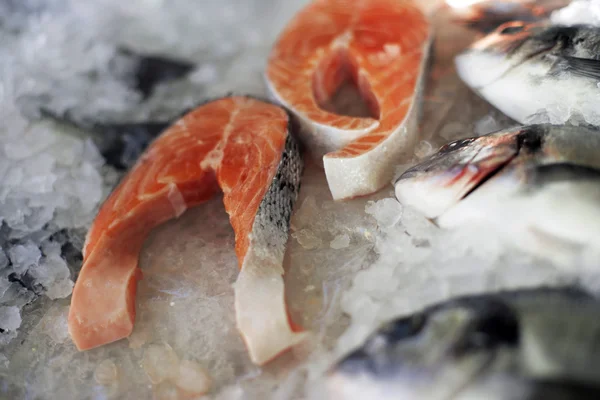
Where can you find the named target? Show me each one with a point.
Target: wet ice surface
(578, 12)
(349, 265)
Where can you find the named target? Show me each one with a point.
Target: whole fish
(519, 345)
(487, 15)
(530, 69)
(239, 144)
(382, 46)
(539, 184)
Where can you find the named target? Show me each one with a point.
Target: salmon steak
(238, 144)
(382, 46)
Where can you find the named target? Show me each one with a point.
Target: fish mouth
(485, 174)
(445, 179)
(460, 168)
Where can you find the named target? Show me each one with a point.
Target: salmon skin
(382, 46)
(245, 147)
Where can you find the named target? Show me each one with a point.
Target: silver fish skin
(487, 15)
(528, 70)
(521, 345)
(539, 185)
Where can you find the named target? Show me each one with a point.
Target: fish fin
(583, 66)
(119, 143)
(150, 70)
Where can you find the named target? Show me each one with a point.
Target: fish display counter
(376, 199)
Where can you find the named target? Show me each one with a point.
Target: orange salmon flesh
(238, 144)
(380, 45)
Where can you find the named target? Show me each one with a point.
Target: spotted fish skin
(524, 344)
(380, 45)
(264, 261)
(239, 144)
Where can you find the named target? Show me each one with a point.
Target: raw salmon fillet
(242, 145)
(381, 45)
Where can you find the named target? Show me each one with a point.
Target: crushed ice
(352, 265)
(578, 12)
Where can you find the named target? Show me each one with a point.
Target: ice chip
(54, 323)
(340, 242)
(106, 372)
(24, 256)
(204, 74)
(307, 239)
(3, 259)
(423, 149)
(387, 212)
(10, 318)
(60, 289)
(4, 362)
(160, 363)
(193, 378)
(487, 124)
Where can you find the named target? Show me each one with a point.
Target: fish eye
(449, 146)
(495, 324)
(509, 30)
(457, 144)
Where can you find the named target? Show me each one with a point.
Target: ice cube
(340, 242)
(24, 256)
(204, 74)
(54, 323)
(53, 274)
(306, 213)
(3, 259)
(487, 124)
(387, 212)
(92, 155)
(423, 149)
(10, 318)
(160, 363)
(307, 239)
(31, 143)
(193, 378)
(60, 289)
(4, 362)
(106, 372)
(89, 187)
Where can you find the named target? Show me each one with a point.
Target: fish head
(509, 46)
(493, 346)
(430, 354)
(531, 70)
(444, 178)
(486, 15)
